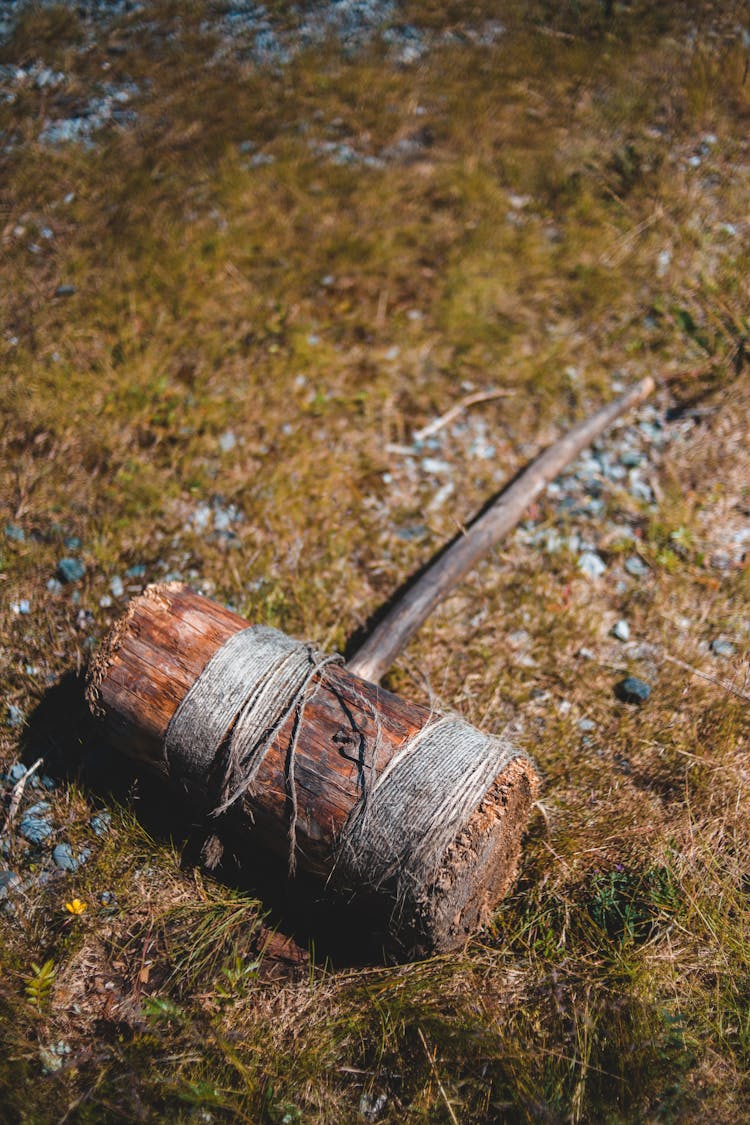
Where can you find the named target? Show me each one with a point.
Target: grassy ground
(227, 393)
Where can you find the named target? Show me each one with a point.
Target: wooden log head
(419, 819)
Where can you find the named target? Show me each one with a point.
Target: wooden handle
(388, 640)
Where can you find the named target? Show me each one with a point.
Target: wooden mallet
(416, 818)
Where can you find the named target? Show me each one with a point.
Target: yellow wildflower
(76, 906)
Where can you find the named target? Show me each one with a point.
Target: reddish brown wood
(156, 652)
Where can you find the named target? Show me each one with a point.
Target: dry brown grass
(614, 982)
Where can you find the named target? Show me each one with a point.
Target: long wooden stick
(393, 633)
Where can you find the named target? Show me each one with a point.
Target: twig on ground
(726, 685)
(444, 419)
(16, 795)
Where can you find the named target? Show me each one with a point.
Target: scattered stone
(41, 808)
(720, 560)
(14, 532)
(116, 587)
(592, 565)
(414, 531)
(720, 646)
(621, 630)
(65, 290)
(225, 517)
(586, 725)
(15, 716)
(636, 567)
(8, 882)
(63, 856)
(16, 772)
(639, 489)
(70, 570)
(54, 586)
(631, 459)
(137, 571)
(34, 829)
(632, 690)
(372, 1105)
(53, 1057)
(100, 823)
(227, 442)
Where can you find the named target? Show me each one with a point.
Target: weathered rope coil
(420, 803)
(408, 817)
(241, 700)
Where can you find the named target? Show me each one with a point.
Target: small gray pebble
(639, 490)
(227, 442)
(591, 564)
(415, 531)
(222, 519)
(116, 587)
(595, 507)
(8, 882)
(15, 716)
(48, 782)
(631, 458)
(621, 630)
(632, 690)
(636, 567)
(137, 571)
(586, 725)
(34, 830)
(65, 290)
(17, 771)
(64, 858)
(720, 560)
(41, 808)
(100, 823)
(13, 531)
(70, 570)
(720, 646)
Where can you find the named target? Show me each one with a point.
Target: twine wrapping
(240, 702)
(417, 810)
(406, 819)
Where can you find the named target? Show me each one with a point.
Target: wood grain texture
(155, 653)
